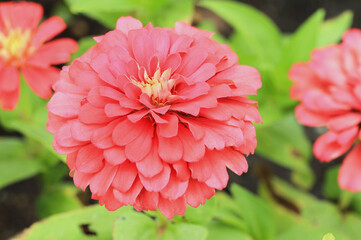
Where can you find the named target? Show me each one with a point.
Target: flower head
(24, 48)
(152, 117)
(329, 88)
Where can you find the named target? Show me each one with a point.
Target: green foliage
(70, 225)
(29, 118)
(332, 30)
(16, 163)
(163, 13)
(84, 45)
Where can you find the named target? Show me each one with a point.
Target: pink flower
(24, 48)
(152, 117)
(329, 88)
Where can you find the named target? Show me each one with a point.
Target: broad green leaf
(29, 118)
(301, 232)
(184, 231)
(351, 225)
(298, 48)
(356, 202)
(161, 13)
(219, 231)
(84, 45)
(134, 226)
(228, 212)
(332, 30)
(202, 214)
(258, 33)
(285, 143)
(257, 214)
(70, 225)
(16, 163)
(331, 188)
(57, 199)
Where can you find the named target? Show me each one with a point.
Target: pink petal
(125, 24)
(344, 121)
(174, 189)
(193, 150)
(48, 29)
(140, 147)
(65, 105)
(89, 159)
(197, 193)
(169, 129)
(147, 201)
(41, 80)
(115, 155)
(151, 165)
(24, 15)
(54, 52)
(102, 137)
(124, 179)
(158, 182)
(129, 197)
(126, 131)
(327, 148)
(9, 79)
(202, 74)
(182, 170)
(101, 181)
(82, 132)
(310, 118)
(169, 208)
(92, 115)
(82, 180)
(349, 176)
(170, 149)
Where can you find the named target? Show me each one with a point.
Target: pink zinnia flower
(152, 117)
(24, 48)
(329, 88)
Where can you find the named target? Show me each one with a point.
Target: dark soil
(17, 202)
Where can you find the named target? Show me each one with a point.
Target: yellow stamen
(159, 87)
(15, 46)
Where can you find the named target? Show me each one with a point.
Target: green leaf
(16, 163)
(161, 13)
(352, 223)
(332, 30)
(202, 214)
(70, 225)
(29, 118)
(285, 143)
(330, 187)
(218, 231)
(184, 231)
(298, 48)
(257, 214)
(259, 35)
(134, 226)
(57, 199)
(84, 45)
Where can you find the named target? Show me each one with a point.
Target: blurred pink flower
(152, 117)
(329, 88)
(24, 48)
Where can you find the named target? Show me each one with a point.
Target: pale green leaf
(332, 30)
(258, 33)
(70, 225)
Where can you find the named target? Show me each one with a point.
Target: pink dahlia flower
(24, 48)
(329, 88)
(153, 117)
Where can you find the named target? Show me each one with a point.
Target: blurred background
(20, 202)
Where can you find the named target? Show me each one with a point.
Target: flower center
(15, 46)
(159, 87)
